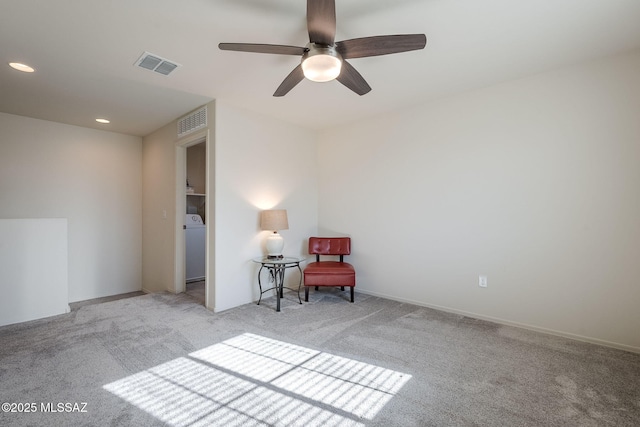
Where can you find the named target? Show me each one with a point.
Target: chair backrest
(329, 246)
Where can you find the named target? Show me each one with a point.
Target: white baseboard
(505, 322)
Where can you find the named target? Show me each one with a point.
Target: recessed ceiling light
(105, 121)
(21, 67)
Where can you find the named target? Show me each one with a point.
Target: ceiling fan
(324, 59)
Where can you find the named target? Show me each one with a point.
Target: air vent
(194, 121)
(157, 64)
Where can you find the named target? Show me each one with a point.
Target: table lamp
(274, 220)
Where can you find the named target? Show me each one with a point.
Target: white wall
(534, 183)
(33, 269)
(260, 163)
(90, 177)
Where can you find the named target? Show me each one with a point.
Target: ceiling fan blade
(263, 48)
(321, 21)
(290, 81)
(380, 45)
(352, 79)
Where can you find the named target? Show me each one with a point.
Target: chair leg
(352, 293)
(317, 288)
(306, 294)
(342, 288)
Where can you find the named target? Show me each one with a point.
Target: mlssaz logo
(63, 407)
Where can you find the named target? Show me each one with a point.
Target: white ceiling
(84, 53)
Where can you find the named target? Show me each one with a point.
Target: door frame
(179, 284)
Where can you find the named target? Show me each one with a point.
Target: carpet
(163, 359)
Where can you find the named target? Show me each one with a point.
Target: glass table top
(279, 261)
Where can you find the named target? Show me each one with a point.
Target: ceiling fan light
(321, 64)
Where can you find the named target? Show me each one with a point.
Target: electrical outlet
(482, 281)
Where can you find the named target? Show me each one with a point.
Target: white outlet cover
(482, 281)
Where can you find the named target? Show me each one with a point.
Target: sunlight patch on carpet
(250, 380)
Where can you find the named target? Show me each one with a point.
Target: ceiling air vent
(155, 63)
(194, 121)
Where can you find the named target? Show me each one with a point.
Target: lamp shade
(274, 219)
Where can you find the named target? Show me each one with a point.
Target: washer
(195, 247)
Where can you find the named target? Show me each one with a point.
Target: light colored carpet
(164, 359)
(196, 291)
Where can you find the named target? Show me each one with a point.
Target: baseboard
(505, 322)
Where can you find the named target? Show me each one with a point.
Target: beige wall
(90, 177)
(159, 209)
(534, 183)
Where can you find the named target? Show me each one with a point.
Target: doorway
(193, 219)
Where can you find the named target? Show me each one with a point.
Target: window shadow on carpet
(254, 380)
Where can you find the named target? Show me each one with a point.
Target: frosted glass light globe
(321, 68)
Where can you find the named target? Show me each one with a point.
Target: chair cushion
(329, 267)
(329, 273)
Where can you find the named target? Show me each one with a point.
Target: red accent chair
(329, 273)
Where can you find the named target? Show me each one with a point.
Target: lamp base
(274, 245)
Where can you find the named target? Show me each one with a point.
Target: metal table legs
(276, 276)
